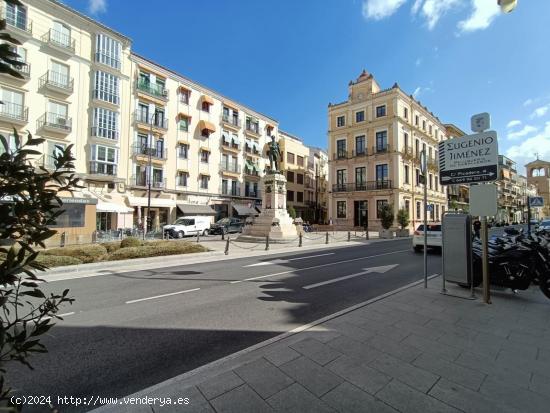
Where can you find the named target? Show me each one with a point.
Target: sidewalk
(413, 350)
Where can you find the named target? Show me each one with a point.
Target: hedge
(85, 253)
(130, 242)
(145, 251)
(111, 246)
(51, 261)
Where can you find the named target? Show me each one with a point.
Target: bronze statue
(274, 155)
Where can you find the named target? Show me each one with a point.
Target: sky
(288, 59)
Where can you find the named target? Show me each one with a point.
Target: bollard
(326, 238)
(198, 236)
(349, 236)
(267, 242)
(367, 233)
(223, 235)
(63, 239)
(94, 237)
(227, 247)
(300, 240)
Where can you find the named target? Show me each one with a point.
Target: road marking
(379, 270)
(60, 315)
(283, 261)
(161, 296)
(318, 266)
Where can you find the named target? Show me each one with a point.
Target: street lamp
(149, 173)
(507, 6)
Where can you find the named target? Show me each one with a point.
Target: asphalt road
(126, 332)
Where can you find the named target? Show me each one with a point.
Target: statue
(274, 155)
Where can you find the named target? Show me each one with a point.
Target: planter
(385, 233)
(402, 233)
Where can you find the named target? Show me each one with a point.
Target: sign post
(532, 201)
(423, 171)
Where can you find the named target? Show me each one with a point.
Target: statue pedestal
(273, 219)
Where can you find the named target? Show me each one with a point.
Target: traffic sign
(536, 201)
(431, 207)
(469, 159)
(480, 122)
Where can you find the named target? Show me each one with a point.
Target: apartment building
(375, 139)
(317, 189)
(538, 176)
(294, 163)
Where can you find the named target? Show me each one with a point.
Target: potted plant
(403, 221)
(386, 220)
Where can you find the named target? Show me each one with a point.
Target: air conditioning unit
(62, 121)
(165, 93)
(111, 185)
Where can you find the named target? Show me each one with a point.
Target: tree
(29, 204)
(403, 218)
(386, 215)
(291, 212)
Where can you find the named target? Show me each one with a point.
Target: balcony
(384, 148)
(230, 167)
(55, 122)
(45, 161)
(146, 151)
(59, 41)
(341, 154)
(251, 150)
(252, 128)
(152, 89)
(16, 23)
(144, 119)
(251, 172)
(363, 186)
(230, 145)
(252, 194)
(359, 153)
(102, 168)
(24, 70)
(142, 181)
(230, 191)
(231, 121)
(56, 82)
(14, 113)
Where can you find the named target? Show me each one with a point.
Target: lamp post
(149, 173)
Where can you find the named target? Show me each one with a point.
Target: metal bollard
(367, 233)
(326, 238)
(198, 236)
(300, 240)
(227, 247)
(63, 239)
(223, 235)
(349, 236)
(267, 242)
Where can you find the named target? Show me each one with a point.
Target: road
(126, 332)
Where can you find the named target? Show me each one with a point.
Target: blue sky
(289, 58)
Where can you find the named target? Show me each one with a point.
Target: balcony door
(57, 113)
(61, 34)
(59, 74)
(381, 176)
(16, 16)
(341, 179)
(361, 178)
(159, 146)
(360, 213)
(157, 177)
(225, 188)
(12, 103)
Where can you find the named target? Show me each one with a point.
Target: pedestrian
(477, 228)
(330, 221)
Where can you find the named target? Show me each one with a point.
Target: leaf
(33, 293)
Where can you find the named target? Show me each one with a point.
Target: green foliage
(111, 246)
(386, 216)
(130, 242)
(291, 212)
(453, 205)
(51, 261)
(85, 253)
(403, 218)
(174, 248)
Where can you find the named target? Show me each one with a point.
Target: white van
(187, 226)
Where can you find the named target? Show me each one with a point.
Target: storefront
(77, 223)
(245, 210)
(112, 216)
(196, 209)
(159, 211)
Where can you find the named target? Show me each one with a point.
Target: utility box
(457, 248)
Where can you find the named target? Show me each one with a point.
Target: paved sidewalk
(414, 350)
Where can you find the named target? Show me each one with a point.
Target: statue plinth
(273, 219)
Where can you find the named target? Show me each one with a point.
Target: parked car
(544, 225)
(191, 225)
(226, 225)
(434, 240)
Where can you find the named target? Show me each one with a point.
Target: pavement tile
(469, 345)
(354, 332)
(512, 346)
(240, 400)
(316, 379)
(383, 329)
(407, 373)
(281, 354)
(451, 329)
(363, 353)
(215, 386)
(442, 315)
(410, 317)
(321, 333)
(544, 355)
(348, 398)
(296, 399)
(197, 402)
(399, 305)
(400, 350)
(525, 338)
(406, 399)
(467, 400)
(418, 330)
(367, 313)
(524, 363)
(540, 384)
(263, 377)
(485, 327)
(426, 345)
(316, 351)
(516, 397)
(451, 371)
(362, 376)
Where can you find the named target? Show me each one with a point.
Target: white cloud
(422, 90)
(526, 130)
(525, 152)
(513, 123)
(528, 102)
(539, 112)
(97, 6)
(433, 10)
(418, 61)
(380, 9)
(482, 16)
(417, 92)
(416, 6)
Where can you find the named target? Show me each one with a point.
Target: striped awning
(204, 124)
(207, 99)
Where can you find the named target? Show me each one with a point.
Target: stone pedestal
(273, 219)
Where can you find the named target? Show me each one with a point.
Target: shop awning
(155, 202)
(207, 99)
(103, 206)
(204, 124)
(194, 209)
(244, 210)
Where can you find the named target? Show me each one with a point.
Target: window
(299, 197)
(360, 116)
(406, 174)
(106, 87)
(431, 181)
(61, 34)
(59, 75)
(341, 178)
(184, 124)
(341, 121)
(300, 160)
(406, 113)
(290, 157)
(430, 153)
(300, 179)
(423, 125)
(430, 129)
(12, 104)
(290, 176)
(379, 204)
(252, 125)
(360, 145)
(16, 16)
(382, 172)
(340, 209)
(204, 156)
(418, 177)
(57, 114)
(360, 178)
(205, 106)
(204, 181)
(408, 206)
(436, 183)
(184, 95)
(437, 212)
(417, 146)
(107, 51)
(290, 196)
(418, 212)
(105, 124)
(72, 216)
(182, 178)
(183, 151)
(416, 120)
(104, 160)
(406, 140)
(341, 148)
(380, 111)
(12, 147)
(381, 141)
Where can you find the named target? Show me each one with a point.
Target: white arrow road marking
(281, 261)
(379, 270)
(160, 296)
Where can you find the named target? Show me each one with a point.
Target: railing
(363, 186)
(102, 168)
(14, 111)
(180, 181)
(55, 121)
(15, 21)
(407, 150)
(157, 153)
(231, 120)
(340, 155)
(153, 89)
(24, 70)
(158, 121)
(252, 194)
(56, 79)
(251, 172)
(381, 148)
(231, 144)
(230, 167)
(110, 61)
(251, 150)
(230, 191)
(355, 153)
(105, 133)
(45, 161)
(142, 181)
(253, 127)
(59, 39)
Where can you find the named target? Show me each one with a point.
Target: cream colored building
(538, 175)
(375, 139)
(317, 184)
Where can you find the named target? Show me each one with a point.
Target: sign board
(469, 159)
(483, 200)
(481, 122)
(536, 201)
(457, 242)
(431, 207)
